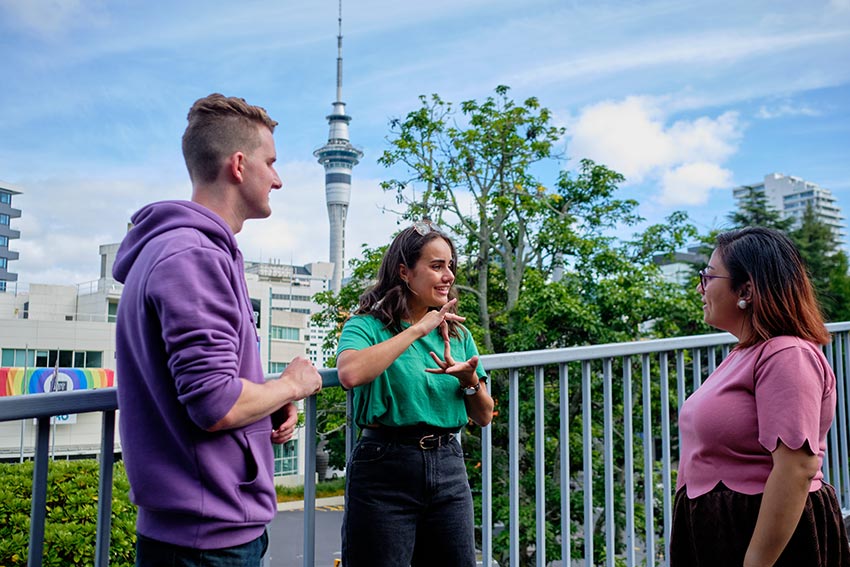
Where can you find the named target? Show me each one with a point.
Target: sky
(686, 98)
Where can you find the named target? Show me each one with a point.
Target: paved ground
(286, 534)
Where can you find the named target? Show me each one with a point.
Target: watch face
(472, 389)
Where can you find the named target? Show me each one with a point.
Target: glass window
(286, 459)
(8, 358)
(4, 240)
(66, 358)
(41, 358)
(3, 263)
(284, 333)
(94, 359)
(5, 198)
(112, 312)
(277, 367)
(4, 219)
(79, 360)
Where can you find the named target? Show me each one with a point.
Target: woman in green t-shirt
(407, 498)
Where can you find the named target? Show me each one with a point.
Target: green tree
(827, 264)
(754, 210)
(476, 171)
(538, 262)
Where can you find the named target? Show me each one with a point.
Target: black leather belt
(423, 438)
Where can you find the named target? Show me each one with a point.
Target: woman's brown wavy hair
(783, 299)
(387, 300)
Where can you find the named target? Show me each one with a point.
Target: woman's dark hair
(387, 300)
(783, 299)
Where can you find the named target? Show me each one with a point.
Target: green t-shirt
(404, 394)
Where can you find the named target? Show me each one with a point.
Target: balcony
(621, 400)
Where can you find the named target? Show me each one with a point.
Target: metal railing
(658, 373)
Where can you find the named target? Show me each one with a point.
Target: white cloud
(691, 183)
(627, 136)
(631, 136)
(783, 109)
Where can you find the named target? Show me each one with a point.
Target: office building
(791, 196)
(7, 234)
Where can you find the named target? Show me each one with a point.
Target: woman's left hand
(464, 371)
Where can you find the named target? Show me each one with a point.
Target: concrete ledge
(320, 503)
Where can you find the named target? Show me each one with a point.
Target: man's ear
(236, 166)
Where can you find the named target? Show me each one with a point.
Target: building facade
(791, 196)
(7, 234)
(60, 337)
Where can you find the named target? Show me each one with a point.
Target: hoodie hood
(159, 218)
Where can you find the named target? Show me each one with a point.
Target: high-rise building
(338, 157)
(792, 195)
(7, 213)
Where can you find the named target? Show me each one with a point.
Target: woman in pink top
(753, 436)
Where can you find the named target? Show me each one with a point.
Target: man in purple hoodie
(196, 414)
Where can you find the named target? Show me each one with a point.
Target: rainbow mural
(19, 381)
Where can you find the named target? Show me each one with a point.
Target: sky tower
(338, 157)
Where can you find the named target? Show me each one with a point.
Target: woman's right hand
(434, 319)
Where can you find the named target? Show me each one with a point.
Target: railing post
(608, 435)
(486, 496)
(648, 464)
(566, 525)
(587, 455)
(628, 450)
(104, 490)
(310, 481)
(665, 452)
(513, 464)
(38, 508)
(539, 468)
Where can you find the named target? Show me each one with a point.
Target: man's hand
(284, 421)
(302, 377)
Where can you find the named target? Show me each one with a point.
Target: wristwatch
(471, 390)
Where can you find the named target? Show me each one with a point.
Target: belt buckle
(429, 442)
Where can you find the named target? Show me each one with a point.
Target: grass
(324, 489)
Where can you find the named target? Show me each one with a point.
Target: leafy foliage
(827, 265)
(71, 521)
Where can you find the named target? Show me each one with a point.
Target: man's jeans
(407, 506)
(153, 553)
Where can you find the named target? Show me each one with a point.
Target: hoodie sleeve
(193, 294)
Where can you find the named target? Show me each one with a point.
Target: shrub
(71, 521)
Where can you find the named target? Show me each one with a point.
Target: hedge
(71, 522)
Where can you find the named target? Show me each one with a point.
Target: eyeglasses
(705, 278)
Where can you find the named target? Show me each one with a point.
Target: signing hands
(434, 319)
(464, 371)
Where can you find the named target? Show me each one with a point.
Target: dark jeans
(407, 506)
(153, 553)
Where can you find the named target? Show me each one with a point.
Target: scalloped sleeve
(792, 384)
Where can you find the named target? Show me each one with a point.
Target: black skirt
(714, 530)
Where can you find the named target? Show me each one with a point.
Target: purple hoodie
(185, 334)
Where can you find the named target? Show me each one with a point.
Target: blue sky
(686, 98)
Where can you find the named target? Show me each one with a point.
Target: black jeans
(154, 553)
(405, 505)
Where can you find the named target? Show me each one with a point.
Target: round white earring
(742, 304)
